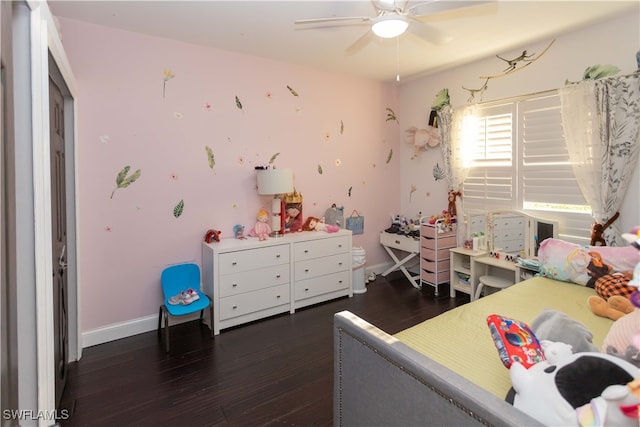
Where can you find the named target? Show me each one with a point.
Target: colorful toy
(238, 231)
(262, 228)
(515, 341)
(212, 236)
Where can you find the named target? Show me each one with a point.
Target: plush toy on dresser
(315, 224)
(262, 228)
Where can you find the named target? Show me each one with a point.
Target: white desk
(487, 265)
(404, 244)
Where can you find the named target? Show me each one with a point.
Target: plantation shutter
(547, 180)
(490, 183)
(520, 161)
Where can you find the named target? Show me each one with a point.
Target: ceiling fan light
(389, 27)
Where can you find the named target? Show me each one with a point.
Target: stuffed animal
(598, 229)
(551, 391)
(556, 326)
(212, 236)
(614, 307)
(422, 139)
(623, 339)
(315, 224)
(262, 228)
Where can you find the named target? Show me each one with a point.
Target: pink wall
(125, 241)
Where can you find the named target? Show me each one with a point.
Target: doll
(292, 219)
(312, 223)
(238, 231)
(262, 229)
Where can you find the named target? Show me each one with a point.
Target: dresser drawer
(441, 242)
(322, 266)
(508, 222)
(239, 305)
(509, 246)
(321, 247)
(252, 280)
(432, 231)
(428, 276)
(396, 241)
(433, 265)
(431, 255)
(252, 259)
(321, 285)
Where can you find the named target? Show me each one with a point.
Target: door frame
(46, 41)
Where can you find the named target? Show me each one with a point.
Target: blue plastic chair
(175, 279)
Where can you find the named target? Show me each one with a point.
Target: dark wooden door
(59, 236)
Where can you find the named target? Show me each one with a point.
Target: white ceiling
(266, 28)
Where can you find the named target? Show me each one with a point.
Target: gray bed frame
(379, 381)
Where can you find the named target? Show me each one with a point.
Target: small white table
(406, 244)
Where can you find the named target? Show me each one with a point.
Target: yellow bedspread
(460, 340)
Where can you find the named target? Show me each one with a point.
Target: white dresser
(252, 279)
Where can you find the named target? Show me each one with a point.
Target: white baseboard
(129, 328)
(141, 325)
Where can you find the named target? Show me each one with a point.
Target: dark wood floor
(277, 371)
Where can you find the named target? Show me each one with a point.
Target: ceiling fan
(395, 17)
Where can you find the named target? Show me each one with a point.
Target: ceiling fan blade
(435, 10)
(429, 33)
(436, 6)
(362, 41)
(336, 19)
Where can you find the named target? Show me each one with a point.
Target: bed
(446, 370)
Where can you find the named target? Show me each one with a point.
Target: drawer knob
(234, 307)
(306, 251)
(340, 245)
(277, 255)
(397, 242)
(234, 285)
(277, 276)
(306, 289)
(340, 263)
(234, 263)
(277, 296)
(339, 281)
(306, 270)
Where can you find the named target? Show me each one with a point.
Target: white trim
(129, 328)
(59, 56)
(116, 331)
(42, 213)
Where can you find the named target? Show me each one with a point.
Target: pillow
(554, 325)
(515, 341)
(570, 262)
(623, 339)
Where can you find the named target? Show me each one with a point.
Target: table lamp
(276, 182)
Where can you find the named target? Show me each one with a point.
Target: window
(520, 161)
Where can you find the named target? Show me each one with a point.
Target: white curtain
(457, 133)
(601, 122)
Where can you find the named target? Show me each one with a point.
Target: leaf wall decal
(273, 158)
(293, 92)
(320, 169)
(177, 211)
(389, 155)
(211, 159)
(239, 104)
(122, 181)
